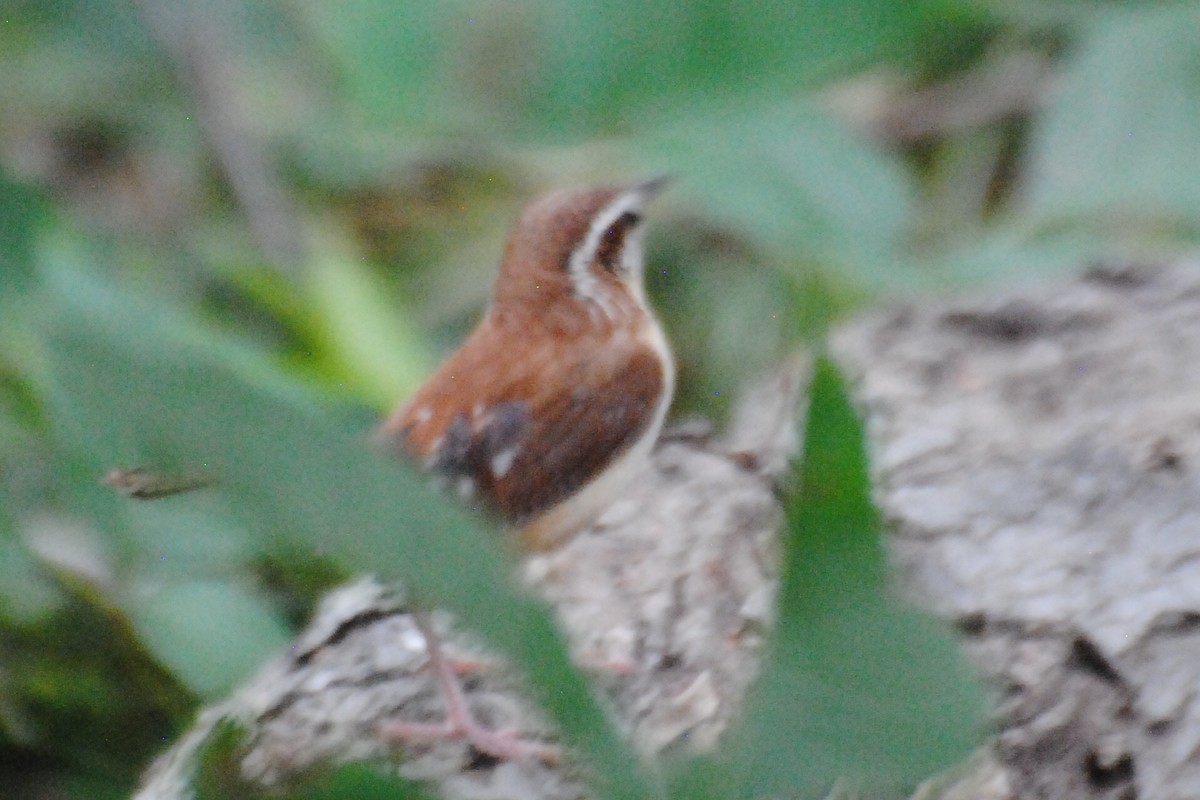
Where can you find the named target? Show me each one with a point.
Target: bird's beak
(653, 187)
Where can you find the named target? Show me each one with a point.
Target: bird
(553, 403)
(555, 400)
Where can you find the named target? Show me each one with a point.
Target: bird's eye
(612, 242)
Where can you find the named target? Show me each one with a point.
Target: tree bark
(1036, 456)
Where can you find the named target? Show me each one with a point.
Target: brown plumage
(557, 396)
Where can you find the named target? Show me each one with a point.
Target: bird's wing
(524, 435)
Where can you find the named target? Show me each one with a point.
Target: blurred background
(316, 195)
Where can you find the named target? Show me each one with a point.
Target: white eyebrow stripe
(586, 284)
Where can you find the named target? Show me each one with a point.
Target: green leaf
(186, 537)
(24, 211)
(616, 64)
(83, 57)
(361, 332)
(1120, 136)
(211, 634)
(360, 782)
(1008, 254)
(394, 59)
(219, 777)
(854, 685)
(136, 384)
(27, 595)
(798, 182)
(552, 70)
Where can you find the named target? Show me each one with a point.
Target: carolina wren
(555, 400)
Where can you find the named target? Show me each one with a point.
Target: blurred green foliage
(873, 678)
(218, 777)
(852, 685)
(231, 234)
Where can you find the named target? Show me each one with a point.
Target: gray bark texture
(665, 600)
(1036, 455)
